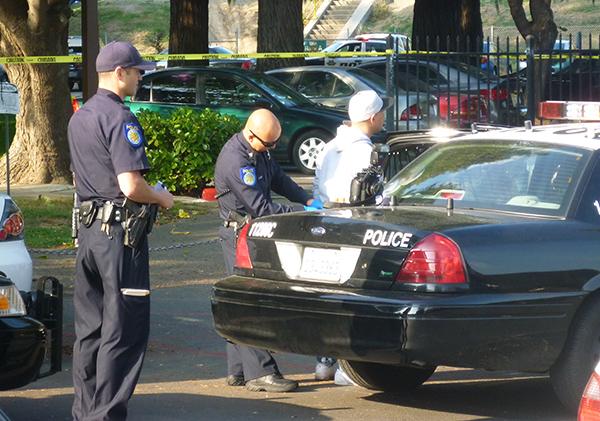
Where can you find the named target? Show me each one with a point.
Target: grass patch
(48, 220)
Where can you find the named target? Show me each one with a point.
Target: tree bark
(39, 152)
(544, 30)
(455, 23)
(279, 30)
(188, 31)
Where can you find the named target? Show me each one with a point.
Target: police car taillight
(242, 253)
(589, 408)
(246, 65)
(569, 110)
(435, 259)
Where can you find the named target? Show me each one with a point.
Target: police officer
(245, 174)
(111, 299)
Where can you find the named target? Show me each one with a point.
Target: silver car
(333, 86)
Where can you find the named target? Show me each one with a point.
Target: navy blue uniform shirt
(105, 139)
(251, 176)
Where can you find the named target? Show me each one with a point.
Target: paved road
(183, 376)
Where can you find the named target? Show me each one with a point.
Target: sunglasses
(265, 144)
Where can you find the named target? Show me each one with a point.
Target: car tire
(580, 354)
(306, 149)
(384, 377)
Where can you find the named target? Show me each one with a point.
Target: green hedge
(183, 146)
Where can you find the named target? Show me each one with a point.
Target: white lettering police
(262, 229)
(387, 238)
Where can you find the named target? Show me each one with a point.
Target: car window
(589, 206)
(280, 91)
(422, 72)
(379, 47)
(350, 47)
(285, 77)
(225, 90)
(401, 155)
(372, 79)
(316, 84)
(537, 179)
(341, 88)
(172, 88)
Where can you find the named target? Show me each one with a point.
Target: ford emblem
(318, 231)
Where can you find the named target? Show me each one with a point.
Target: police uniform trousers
(111, 328)
(242, 359)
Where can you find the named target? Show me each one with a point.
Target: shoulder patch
(133, 134)
(248, 175)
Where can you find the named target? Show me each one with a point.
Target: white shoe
(342, 379)
(324, 372)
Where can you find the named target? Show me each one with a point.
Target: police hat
(119, 53)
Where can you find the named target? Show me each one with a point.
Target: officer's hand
(315, 203)
(165, 199)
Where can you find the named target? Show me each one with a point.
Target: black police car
(483, 254)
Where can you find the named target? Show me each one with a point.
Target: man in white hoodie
(349, 152)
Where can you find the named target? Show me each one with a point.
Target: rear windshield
(498, 175)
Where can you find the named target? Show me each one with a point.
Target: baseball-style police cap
(120, 53)
(365, 104)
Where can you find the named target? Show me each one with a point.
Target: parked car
(401, 41)
(589, 408)
(349, 46)
(465, 93)
(333, 86)
(30, 318)
(482, 254)
(242, 63)
(75, 69)
(306, 126)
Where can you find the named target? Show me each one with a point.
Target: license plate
(320, 264)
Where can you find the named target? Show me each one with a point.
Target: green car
(306, 125)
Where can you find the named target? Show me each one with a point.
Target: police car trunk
(317, 283)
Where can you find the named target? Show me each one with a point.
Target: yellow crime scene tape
(192, 57)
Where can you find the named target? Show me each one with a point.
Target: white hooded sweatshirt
(348, 153)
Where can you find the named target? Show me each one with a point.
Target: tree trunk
(188, 31)
(39, 152)
(449, 25)
(279, 30)
(544, 30)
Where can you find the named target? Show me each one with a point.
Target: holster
(139, 220)
(87, 212)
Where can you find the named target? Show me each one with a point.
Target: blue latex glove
(317, 204)
(310, 208)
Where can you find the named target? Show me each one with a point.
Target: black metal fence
(501, 83)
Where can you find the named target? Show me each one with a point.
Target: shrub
(183, 146)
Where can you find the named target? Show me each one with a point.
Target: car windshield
(219, 50)
(496, 175)
(375, 81)
(280, 91)
(333, 47)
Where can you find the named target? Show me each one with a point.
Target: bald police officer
(245, 174)
(111, 299)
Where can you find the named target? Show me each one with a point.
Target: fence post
(390, 123)
(531, 105)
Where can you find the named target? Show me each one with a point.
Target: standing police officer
(245, 174)
(111, 300)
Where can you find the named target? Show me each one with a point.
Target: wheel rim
(309, 151)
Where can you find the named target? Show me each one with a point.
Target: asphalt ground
(184, 372)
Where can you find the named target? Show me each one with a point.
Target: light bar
(569, 110)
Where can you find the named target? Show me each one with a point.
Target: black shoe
(236, 380)
(271, 383)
